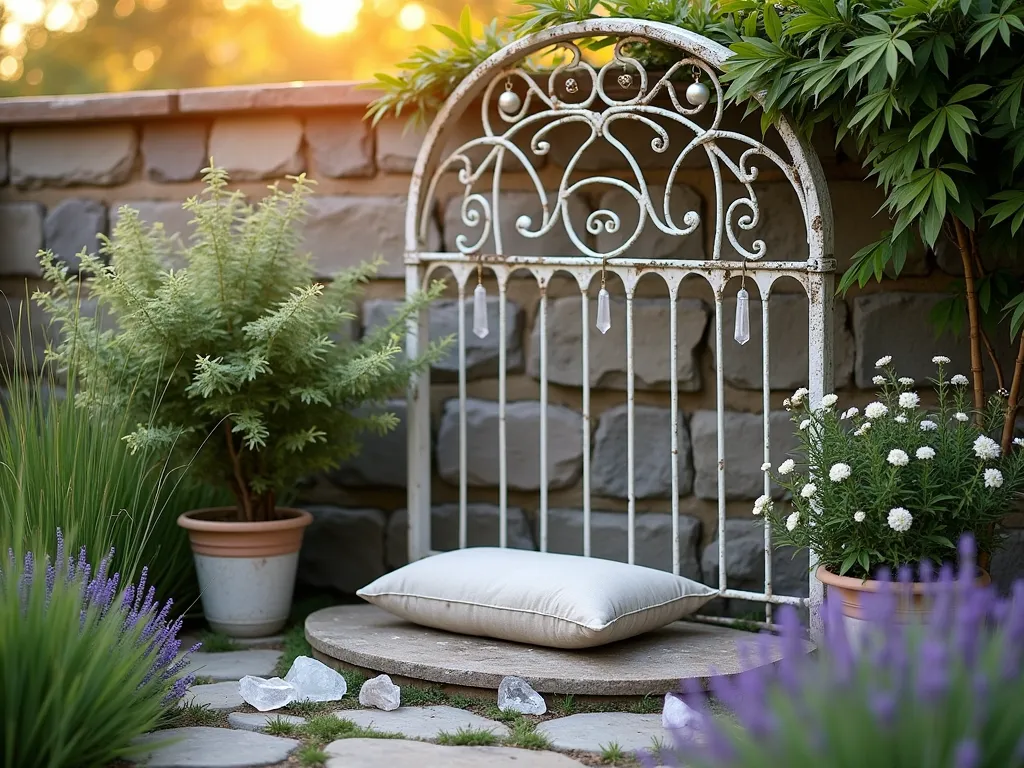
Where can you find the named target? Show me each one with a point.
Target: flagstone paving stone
(212, 748)
(252, 721)
(220, 697)
(398, 753)
(592, 731)
(422, 722)
(233, 665)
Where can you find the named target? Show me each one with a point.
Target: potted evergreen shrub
(254, 386)
(895, 485)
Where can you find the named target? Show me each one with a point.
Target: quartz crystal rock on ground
(422, 722)
(211, 748)
(381, 693)
(679, 717)
(397, 753)
(247, 721)
(266, 695)
(314, 681)
(515, 694)
(219, 697)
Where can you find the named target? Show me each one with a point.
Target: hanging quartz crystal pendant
(480, 311)
(742, 334)
(604, 311)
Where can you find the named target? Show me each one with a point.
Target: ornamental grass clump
(946, 692)
(897, 483)
(242, 347)
(86, 665)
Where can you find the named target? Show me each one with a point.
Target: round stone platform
(368, 638)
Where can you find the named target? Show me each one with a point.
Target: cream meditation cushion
(559, 601)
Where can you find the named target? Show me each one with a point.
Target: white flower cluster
(901, 419)
(808, 490)
(829, 400)
(940, 360)
(839, 472)
(858, 516)
(799, 395)
(993, 478)
(959, 380)
(925, 453)
(906, 381)
(878, 380)
(850, 413)
(961, 416)
(792, 521)
(928, 426)
(900, 519)
(805, 424)
(898, 457)
(875, 410)
(761, 503)
(986, 448)
(862, 429)
(787, 466)
(883, 361)
(909, 400)
(1018, 441)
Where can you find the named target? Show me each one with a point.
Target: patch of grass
(311, 756)
(216, 642)
(492, 712)
(201, 680)
(613, 754)
(648, 705)
(524, 735)
(311, 708)
(413, 696)
(191, 716)
(468, 737)
(295, 645)
(565, 706)
(326, 728)
(354, 680)
(459, 701)
(279, 727)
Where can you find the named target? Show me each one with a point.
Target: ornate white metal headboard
(579, 93)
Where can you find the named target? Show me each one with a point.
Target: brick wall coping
(190, 102)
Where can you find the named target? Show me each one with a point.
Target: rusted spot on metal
(817, 224)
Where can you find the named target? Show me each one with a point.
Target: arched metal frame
(599, 111)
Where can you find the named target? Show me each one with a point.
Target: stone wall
(68, 164)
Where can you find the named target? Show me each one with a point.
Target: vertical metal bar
(673, 313)
(418, 410)
(766, 405)
(820, 297)
(585, 319)
(543, 322)
(463, 468)
(720, 415)
(502, 434)
(630, 434)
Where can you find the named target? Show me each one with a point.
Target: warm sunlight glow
(27, 11)
(412, 17)
(10, 67)
(124, 8)
(60, 17)
(329, 18)
(144, 60)
(11, 34)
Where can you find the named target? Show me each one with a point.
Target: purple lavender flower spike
(932, 670)
(967, 754)
(966, 551)
(646, 759)
(883, 706)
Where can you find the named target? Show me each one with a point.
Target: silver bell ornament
(509, 102)
(698, 94)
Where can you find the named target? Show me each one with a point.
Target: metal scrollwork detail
(537, 113)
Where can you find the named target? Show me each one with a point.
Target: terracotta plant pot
(850, 591)
(246, 570)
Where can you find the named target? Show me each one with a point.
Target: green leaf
(848, 563)
(772, 23)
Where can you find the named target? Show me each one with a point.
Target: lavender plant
(86, 665)
(945, 693)
(898, 483)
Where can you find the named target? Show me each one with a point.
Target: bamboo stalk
(1013, 401)
(974, 322)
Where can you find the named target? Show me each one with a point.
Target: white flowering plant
(897, 483)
